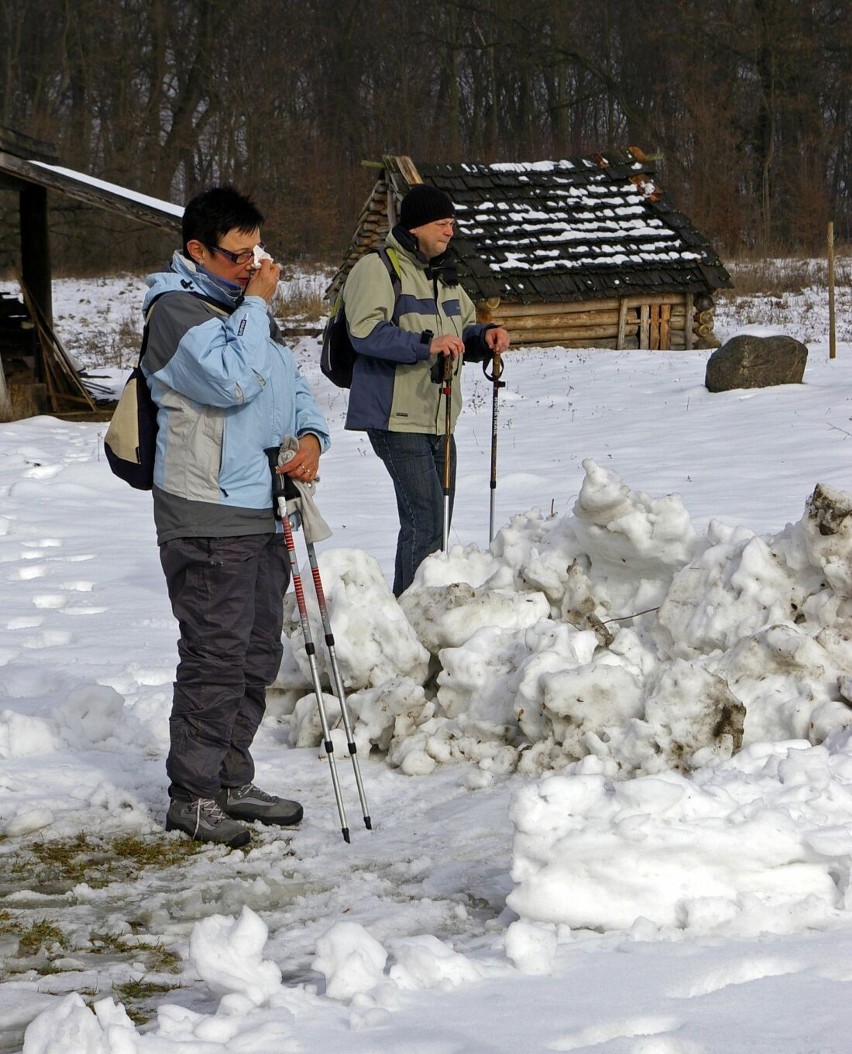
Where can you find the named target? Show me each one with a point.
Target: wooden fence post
(832, 347)
(5, 401)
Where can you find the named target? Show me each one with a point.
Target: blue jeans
(415, 462)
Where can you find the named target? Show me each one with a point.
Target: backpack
(131, 439)
(130, 443)
(337, 358)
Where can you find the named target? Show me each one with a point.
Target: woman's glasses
(237, 258)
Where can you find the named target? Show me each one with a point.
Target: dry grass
(301, 296)
(773, 277)
(99, 343)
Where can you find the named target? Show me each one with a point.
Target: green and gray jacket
(392, 388)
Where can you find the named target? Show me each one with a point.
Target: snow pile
(773, 853)
(630, 737)
(614, 632)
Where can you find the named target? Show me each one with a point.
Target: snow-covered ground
(608, 759)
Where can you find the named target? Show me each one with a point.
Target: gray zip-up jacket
(392, 388)
(227, 388)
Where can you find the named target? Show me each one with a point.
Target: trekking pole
(494, 376)
(338, 680)
(279, 493)
(447, 392)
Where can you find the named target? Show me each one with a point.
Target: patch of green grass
(134, 992)
(58, 865)
(41, 934)
(94, 860)
(154, 852)
(140, 989)
(160, 958)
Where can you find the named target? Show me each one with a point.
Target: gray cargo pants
(227, 595)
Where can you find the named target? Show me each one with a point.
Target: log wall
(665, 322)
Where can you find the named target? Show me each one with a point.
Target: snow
(113, 188)
(607, 758)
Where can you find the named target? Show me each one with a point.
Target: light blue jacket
(227, 389)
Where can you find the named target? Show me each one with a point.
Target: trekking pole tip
(368, 823)
(345, 833)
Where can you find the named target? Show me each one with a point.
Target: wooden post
(654, 328)
(5, 401)
(622, 324)
(391, 207)
(35, 247)
(832, 346)
(644, 326)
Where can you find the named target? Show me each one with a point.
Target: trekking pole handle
(283, 487)
(447, 376)
(496, 370)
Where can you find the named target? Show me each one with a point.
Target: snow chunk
(351, 959)
(227, 954)
(426, 962)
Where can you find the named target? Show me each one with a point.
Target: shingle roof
(588, 227)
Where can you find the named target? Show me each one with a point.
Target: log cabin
(585, 252)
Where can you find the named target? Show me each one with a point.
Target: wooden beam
(559, 318)
(98, 193)
(5, 401)
(654, 327)
(408, 170)
(35, 248)
(675, 300)
(60, 374)
(644, 321)
(622, 324)
(665, 330)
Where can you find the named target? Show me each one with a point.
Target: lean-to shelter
(36, 376)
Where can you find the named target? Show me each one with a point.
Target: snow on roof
(568, 229)
(113, 188)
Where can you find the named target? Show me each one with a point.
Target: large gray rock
(756, 362)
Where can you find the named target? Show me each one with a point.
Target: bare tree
(746, 103)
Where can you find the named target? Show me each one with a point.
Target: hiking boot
(251, 803)
(204, 821)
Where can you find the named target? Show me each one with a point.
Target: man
(227, 389)
(394, 395)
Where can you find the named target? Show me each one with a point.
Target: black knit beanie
(424, 204)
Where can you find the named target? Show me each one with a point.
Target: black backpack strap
(148, 311)
(396, 282)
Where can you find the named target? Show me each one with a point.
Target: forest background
(745, 106)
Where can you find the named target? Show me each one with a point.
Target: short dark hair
(215, 211)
